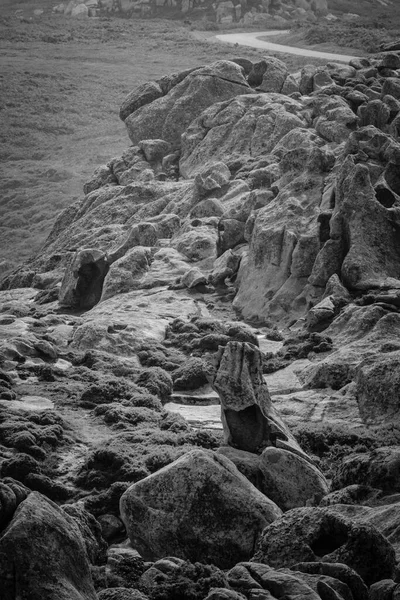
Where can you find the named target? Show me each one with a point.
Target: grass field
(62, 83)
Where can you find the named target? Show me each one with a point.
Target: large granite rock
(42, 554)
(199, 508)
(168, 116)
(249, 419)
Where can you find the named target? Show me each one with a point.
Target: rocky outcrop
(168, 116)
(199, 508)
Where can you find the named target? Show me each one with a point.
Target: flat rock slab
(286, 381)
(318, 406)
(200, 417)
(29, 403)
(122, 322)
(200, 397)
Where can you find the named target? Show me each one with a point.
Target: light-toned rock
(168, 116)
(198, 508)
(237, 129)
(121, 323)
(225, 266)
(194, 277)
(80, 11)
(126, 273)
(290, 480)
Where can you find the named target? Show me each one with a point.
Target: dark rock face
(379, 468)
(42, 554)
(315, 534)
(83, 281)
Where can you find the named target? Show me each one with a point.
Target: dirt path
(253, 40)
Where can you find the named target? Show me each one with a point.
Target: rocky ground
(241, 255)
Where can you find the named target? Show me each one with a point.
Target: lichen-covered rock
(198, 508)
(42, 554)
(379, 468)
(290, 480)
(236, 130)
(377, 388)
(321, 534)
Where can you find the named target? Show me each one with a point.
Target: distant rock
(198, 508)
(168, 116)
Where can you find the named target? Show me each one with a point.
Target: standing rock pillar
(249, 419)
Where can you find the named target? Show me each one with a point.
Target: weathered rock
(83, 280)
(290, 480)
(250, 421)
(126, 273)
(252, 579)
(352, 494)
(341, 572)
(168, 116)
(120, 324)
(225, 266)
(42, 554)
(194, 277)
(379, 469)
(362, 219)
(199, 508)
(212, 178)
(119, 593)
(197, 243)
(236, 130)
(274, 75)
(145, 94)
(377, 388)
(320, 534)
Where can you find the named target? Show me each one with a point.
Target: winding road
(252, 40)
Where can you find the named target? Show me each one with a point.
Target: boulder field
(243, 252)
